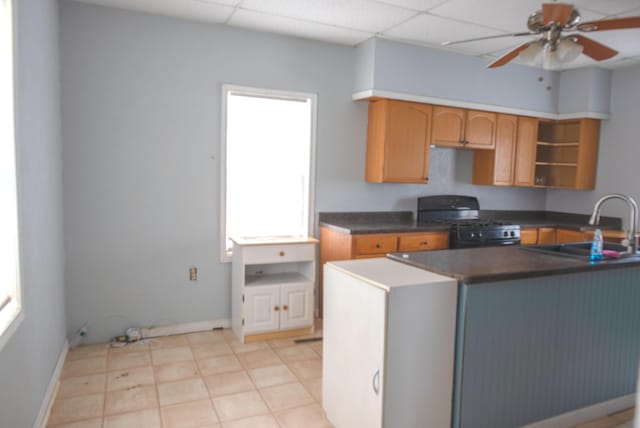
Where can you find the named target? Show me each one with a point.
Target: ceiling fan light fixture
(532, 53)
(568, 50)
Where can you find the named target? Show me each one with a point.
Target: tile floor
(197, 380)
(203, 380)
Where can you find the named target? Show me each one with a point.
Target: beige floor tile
(176, 371)
(314, 387)
(605, 422)
(272, 375)
(208, 350)
(263, 421)
(193, 414)
(308, 417)
(240, 348)
(182, 391)
(129, 378)
(317, 347)
(228, 383)
(238, 406)
(128, 400)
(86, 423)
(263, 358)
(88, 351)
(281, 343)
(228, 334)
(168, 341)
(171, 355)
(625, 415)
(129, 360)
(82, 385)
(216, 365)
(286, 396)
(297, 353)
(307, 369)
(86, 366)
(76, 408)
(148, 418)
(205, 337)
(142, 345)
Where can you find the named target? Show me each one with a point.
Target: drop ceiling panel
(191, 9)
(288, 26)
(417, 5)
(433, 30)
(607, 7)
(360, 15)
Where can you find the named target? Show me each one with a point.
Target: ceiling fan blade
(556, 12)
(508, 56)
(456, 42)
(595, 50)
(610, 24)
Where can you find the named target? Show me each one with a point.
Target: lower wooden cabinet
(567, 235)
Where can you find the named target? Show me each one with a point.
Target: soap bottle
(596, 245)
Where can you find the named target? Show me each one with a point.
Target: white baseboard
(52, 389)
(190, 327)
(586, 414)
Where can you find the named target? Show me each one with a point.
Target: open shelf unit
(566, 153)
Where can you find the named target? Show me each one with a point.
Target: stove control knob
(506, 234)
(479, 234)
(513, 234)
(472, 235)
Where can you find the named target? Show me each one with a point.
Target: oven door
(488, 243)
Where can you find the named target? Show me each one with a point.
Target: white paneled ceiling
(423, 22)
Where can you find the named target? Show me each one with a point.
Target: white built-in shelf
(276, 279)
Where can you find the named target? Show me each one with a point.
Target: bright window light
(9, 260)
(268, 161)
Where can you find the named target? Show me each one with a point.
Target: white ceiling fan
(558, 27)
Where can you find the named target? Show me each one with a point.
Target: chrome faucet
(631, 241)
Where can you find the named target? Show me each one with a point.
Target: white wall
(141, 113)
(27, 361)
(618, 154)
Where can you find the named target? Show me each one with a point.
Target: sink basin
(581, 250)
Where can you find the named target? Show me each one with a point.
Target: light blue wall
(141, 113)
(28, 360)
(584, 90)
(429, 72)
(618, 153)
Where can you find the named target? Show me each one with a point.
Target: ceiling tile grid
(422, 22)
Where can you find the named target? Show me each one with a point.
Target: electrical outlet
(193, 273)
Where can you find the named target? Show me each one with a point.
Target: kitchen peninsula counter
(488, 264)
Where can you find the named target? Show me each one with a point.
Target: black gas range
(468, 229)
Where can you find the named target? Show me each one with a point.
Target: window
(268, 146)
(9, 260)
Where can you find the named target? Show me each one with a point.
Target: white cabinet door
(262, 308)
(354, 343)
(297, 305)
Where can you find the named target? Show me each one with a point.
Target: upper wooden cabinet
(456, 127)
(567, 153)
(524, 163)
(398, 142)
(497, 166)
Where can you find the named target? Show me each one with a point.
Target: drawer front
(279, 253)
(425, 241)
(375, 244)
(529, 236)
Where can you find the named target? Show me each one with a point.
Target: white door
(261, 308)
(353, 350)
(297, 305)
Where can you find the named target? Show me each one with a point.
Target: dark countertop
(489, 264)
(356, 223)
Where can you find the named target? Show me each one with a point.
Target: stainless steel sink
(581, 250)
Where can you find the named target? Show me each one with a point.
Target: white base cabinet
(273, 286)
(388, 345)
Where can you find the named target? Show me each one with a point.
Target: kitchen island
(537, 336)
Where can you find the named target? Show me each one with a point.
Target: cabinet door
(525, 161)
(354, 337)
(565, 235)
(296, 305)
(505, 151)
(480, 130)
(406, 157)
(448, 126)
(261, 308)
(528, 236)
(547, 235)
